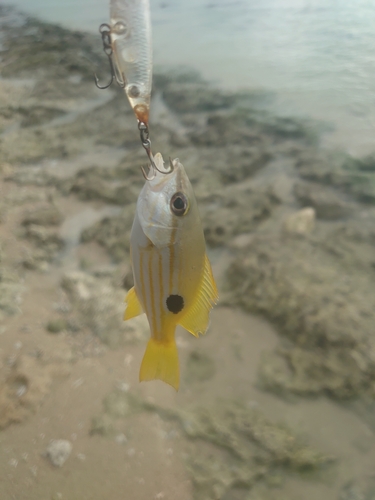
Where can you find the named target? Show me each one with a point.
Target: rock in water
(326, 202)
(301, 222)
(58, 451)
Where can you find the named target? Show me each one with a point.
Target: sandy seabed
(277, 400)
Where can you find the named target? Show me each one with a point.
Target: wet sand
(151, 461)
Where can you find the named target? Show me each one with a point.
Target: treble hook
(105, 31)
(146, 143)
(148, 178)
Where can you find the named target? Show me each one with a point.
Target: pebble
(301, 222)
(21, 390)
(123, 386)
(58, 451)
(34, 470)
(56, 496)
(77, 383)
(121, 439)
(128, 359)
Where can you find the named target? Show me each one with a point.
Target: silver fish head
(167, 205)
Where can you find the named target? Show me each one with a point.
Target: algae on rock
(235, 210)
(101, 308)
(227, 446)
(325, 309)
(22, 389)
(199, 367)
(113, 233)
(118, 185)
(11, 290)
(356, 176)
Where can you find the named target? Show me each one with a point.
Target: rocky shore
(290, 229)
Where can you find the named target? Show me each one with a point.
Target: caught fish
(173, 279)
(130, 33)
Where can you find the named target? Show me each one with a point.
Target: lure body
(132, 52)
(173, 281)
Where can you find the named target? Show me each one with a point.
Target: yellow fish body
(173, 281)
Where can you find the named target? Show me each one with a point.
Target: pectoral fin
(133, 306)
(196, 318)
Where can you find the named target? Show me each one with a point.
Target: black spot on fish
(175, 303)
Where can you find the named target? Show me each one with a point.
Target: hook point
(100, 86)
(146, 176)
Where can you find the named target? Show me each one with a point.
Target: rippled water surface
(317, 56)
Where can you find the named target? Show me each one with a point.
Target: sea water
(314, 57)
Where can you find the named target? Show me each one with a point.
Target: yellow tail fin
(161, 362)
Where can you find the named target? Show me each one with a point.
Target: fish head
(166, 204)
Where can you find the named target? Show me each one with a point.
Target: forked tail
(160, 361)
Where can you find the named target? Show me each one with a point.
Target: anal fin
(196, 318)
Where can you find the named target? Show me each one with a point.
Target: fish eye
(179, 204)
(133, 91)
(120, 28)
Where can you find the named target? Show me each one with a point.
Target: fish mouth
(180, 176)
(164, 176)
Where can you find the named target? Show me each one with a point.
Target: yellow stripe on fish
(173, 281)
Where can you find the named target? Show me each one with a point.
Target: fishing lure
(127, 43)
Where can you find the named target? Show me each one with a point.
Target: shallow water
(276, 401)
(315, 57)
